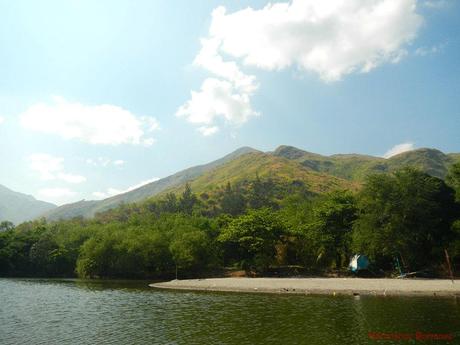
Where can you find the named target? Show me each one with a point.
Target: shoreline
(320, 286)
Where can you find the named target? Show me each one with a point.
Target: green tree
(453, 178)
(168, 203)
(261, 193)
(47, 257)
(5, 253)
(190, 250)
(408, 214)
(233, 201)
(329, 229)
(6, 226)
(187, 200)
(98, 255)
(252, 238)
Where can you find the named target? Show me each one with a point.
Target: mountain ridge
(357, 166)
(342, 170)
(91, 207)
(266, 166)
(19, 207)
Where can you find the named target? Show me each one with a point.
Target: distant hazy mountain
(90, 208)
(320, 173)
(17, 207)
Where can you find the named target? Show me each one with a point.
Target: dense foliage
(253, 225)
(408, 214)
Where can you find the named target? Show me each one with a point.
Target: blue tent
(359, 262)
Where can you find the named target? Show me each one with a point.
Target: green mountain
(454, 156)
(17, 207)
(286, 164)
(266, 166)
(90, 208)
(356, 167)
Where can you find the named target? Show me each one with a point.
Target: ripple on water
(79, 312)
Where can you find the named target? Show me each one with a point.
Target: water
(86, 312)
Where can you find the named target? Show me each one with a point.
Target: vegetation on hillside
(357, 167)
(252, 224)
(88, 209)
(287, 163)
(267, 167)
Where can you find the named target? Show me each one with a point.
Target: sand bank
(328, 286)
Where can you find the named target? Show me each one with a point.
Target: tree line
(255, 225)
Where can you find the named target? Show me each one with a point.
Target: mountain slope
(347, 166)
(17, 207)
(454, 156)
(263, 165)
(431, 161)
(90, 208)
(356, 167)
(289, 164)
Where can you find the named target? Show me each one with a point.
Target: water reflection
(120, 312)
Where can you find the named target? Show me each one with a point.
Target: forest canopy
(255, 225)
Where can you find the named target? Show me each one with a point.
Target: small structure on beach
(358, 263)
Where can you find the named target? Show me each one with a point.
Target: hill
(90, 208)
(356, 167)
(266, 166)
(17, 207)
(286, 164)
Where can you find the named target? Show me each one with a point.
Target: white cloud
(114, 191)
(2, 119)
(148, 142)
(107, 194)
(104, 162)
(425, 51)
(210, 59)
(436, 4)
(119, 162)
(400, 148)
(70, 178)
(46, 165)
(100, 161)
(56, 195)
(140, 184)
(52, 168)
(207, 131)
(99, 195)
(99, 124)
(329, 38)
(217, 98)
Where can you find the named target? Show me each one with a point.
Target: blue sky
(95, 96)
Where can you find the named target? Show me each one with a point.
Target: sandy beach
(327, 286)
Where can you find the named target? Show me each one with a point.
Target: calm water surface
(86, 312)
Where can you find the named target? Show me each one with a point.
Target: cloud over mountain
(400, 148)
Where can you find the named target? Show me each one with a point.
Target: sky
(98, 97)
